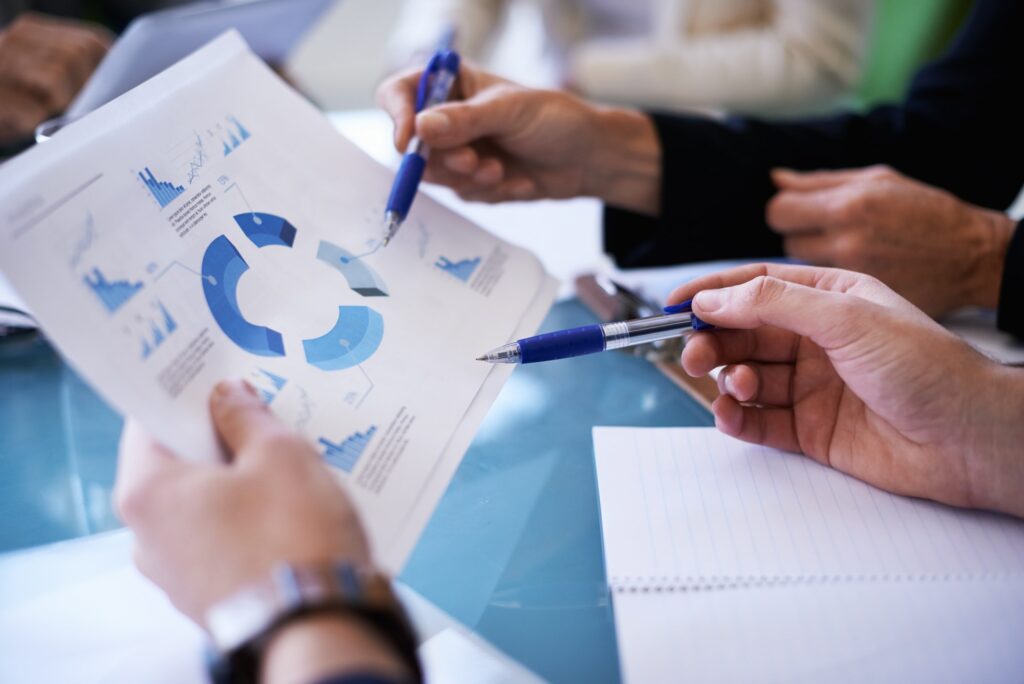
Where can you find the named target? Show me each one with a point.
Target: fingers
(813, 247)
(829, 319)
(241, 418)
(792, 212)
(397, 96)
(711, 349)
(143, 465)
(766, 384)
(772, 427)
(825, 278)
(491, 112)
(805, 181)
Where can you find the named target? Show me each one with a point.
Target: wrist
(623, 167)
(996, 460)
(994, 231)
(327, 645)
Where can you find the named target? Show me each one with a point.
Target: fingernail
(730, 385)
(709, 300)
(434, 122)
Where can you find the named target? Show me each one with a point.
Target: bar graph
(164, 193)
(463, 270)
(267, 384)
(346, 455)
(235, 135)
(156, 329)
(113, 294)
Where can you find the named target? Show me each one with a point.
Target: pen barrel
(410, 173)
(562, 344)
(644, 330)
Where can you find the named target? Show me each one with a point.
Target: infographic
(211, 224)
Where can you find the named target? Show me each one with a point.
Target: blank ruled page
(690, 507)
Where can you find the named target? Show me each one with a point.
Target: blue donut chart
(222, 268)
(358, 331)
(353, 339)
(266, 229)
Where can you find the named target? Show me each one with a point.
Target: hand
(43, 64)
(502, 141)
(938, 252)
(835, 365)
(205, 530)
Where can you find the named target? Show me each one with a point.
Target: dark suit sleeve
(1011, 295)
(957, 129)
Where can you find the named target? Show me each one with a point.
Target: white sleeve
(422, 22)
(809, 54)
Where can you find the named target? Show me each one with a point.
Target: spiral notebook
(734, 562)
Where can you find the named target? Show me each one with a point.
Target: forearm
(624, 167)
(319, 648)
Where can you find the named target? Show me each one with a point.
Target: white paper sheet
(729, 562)
(881, 632)
(211, 224)
(691, 507)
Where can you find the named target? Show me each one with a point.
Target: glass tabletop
(513, 549)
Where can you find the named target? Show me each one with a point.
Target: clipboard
(156, 40)
(611, 301)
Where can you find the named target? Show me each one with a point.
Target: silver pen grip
(643, 330)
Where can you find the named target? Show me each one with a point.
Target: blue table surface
(513, 549)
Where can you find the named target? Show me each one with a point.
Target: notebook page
(690, 507)
(879, 632)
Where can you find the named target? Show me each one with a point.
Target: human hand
(43, 64)
(499, 141)
(935, 250)
(835, 365)
(205, 530)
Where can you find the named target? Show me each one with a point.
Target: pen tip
(482, 358)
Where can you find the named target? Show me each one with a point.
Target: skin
(205, 530)
(837, 366)
(498, 141)
(903, 232)
(44, 62)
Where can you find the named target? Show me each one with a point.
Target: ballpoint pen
(435, 85)
(590, 339)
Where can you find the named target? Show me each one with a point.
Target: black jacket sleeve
(956, 129)
(1010, 317)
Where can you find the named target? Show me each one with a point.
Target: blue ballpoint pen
(435, 85)
(590, 339)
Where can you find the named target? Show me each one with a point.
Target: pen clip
(687, 307)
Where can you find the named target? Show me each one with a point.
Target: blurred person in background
(44, 62)
(48, 50)
(752, 56)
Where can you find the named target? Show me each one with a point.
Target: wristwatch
(241, 624)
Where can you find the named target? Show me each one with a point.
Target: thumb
(240, 416)
(825, 317)
(460, 123)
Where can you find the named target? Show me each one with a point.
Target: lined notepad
(730, 562)
(691, 508)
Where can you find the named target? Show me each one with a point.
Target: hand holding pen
(435, 86)
(591, 339)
